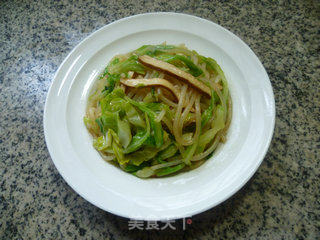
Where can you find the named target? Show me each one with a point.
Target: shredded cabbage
(152, 130)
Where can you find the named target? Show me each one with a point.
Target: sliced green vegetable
(130, 64)
(116, 105)
(153, 50)
(207, 114)
(167, 153)
(111, 80)
(143, 107)
(217, 124)
(117, 149)
(86, 121)
(143, 155)
(157, 132)
(100, 143)
(133, 168)
(107, 121)
(156, 107)
(105, 101)
(193, 69)
(150, 142)
(112, 63)
(133, 116)
(156, 127)
(138, 139)
(124, 132)
(214, 66)
(169, 170)
(188, 154)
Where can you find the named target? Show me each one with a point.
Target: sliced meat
(151, 82)
(173, 70)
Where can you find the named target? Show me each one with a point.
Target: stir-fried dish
(159, 110)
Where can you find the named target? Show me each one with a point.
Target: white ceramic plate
(183, 195)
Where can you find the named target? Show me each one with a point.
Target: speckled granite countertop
(281, 201)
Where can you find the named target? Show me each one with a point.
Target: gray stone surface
(281, 201)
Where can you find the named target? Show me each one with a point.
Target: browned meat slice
(151, 82)
(173, 70)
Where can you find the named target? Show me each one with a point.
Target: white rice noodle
(177, 117)
(165, 99)
(183, 117)
(160, 115)
(209, 150)
(168, 123)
